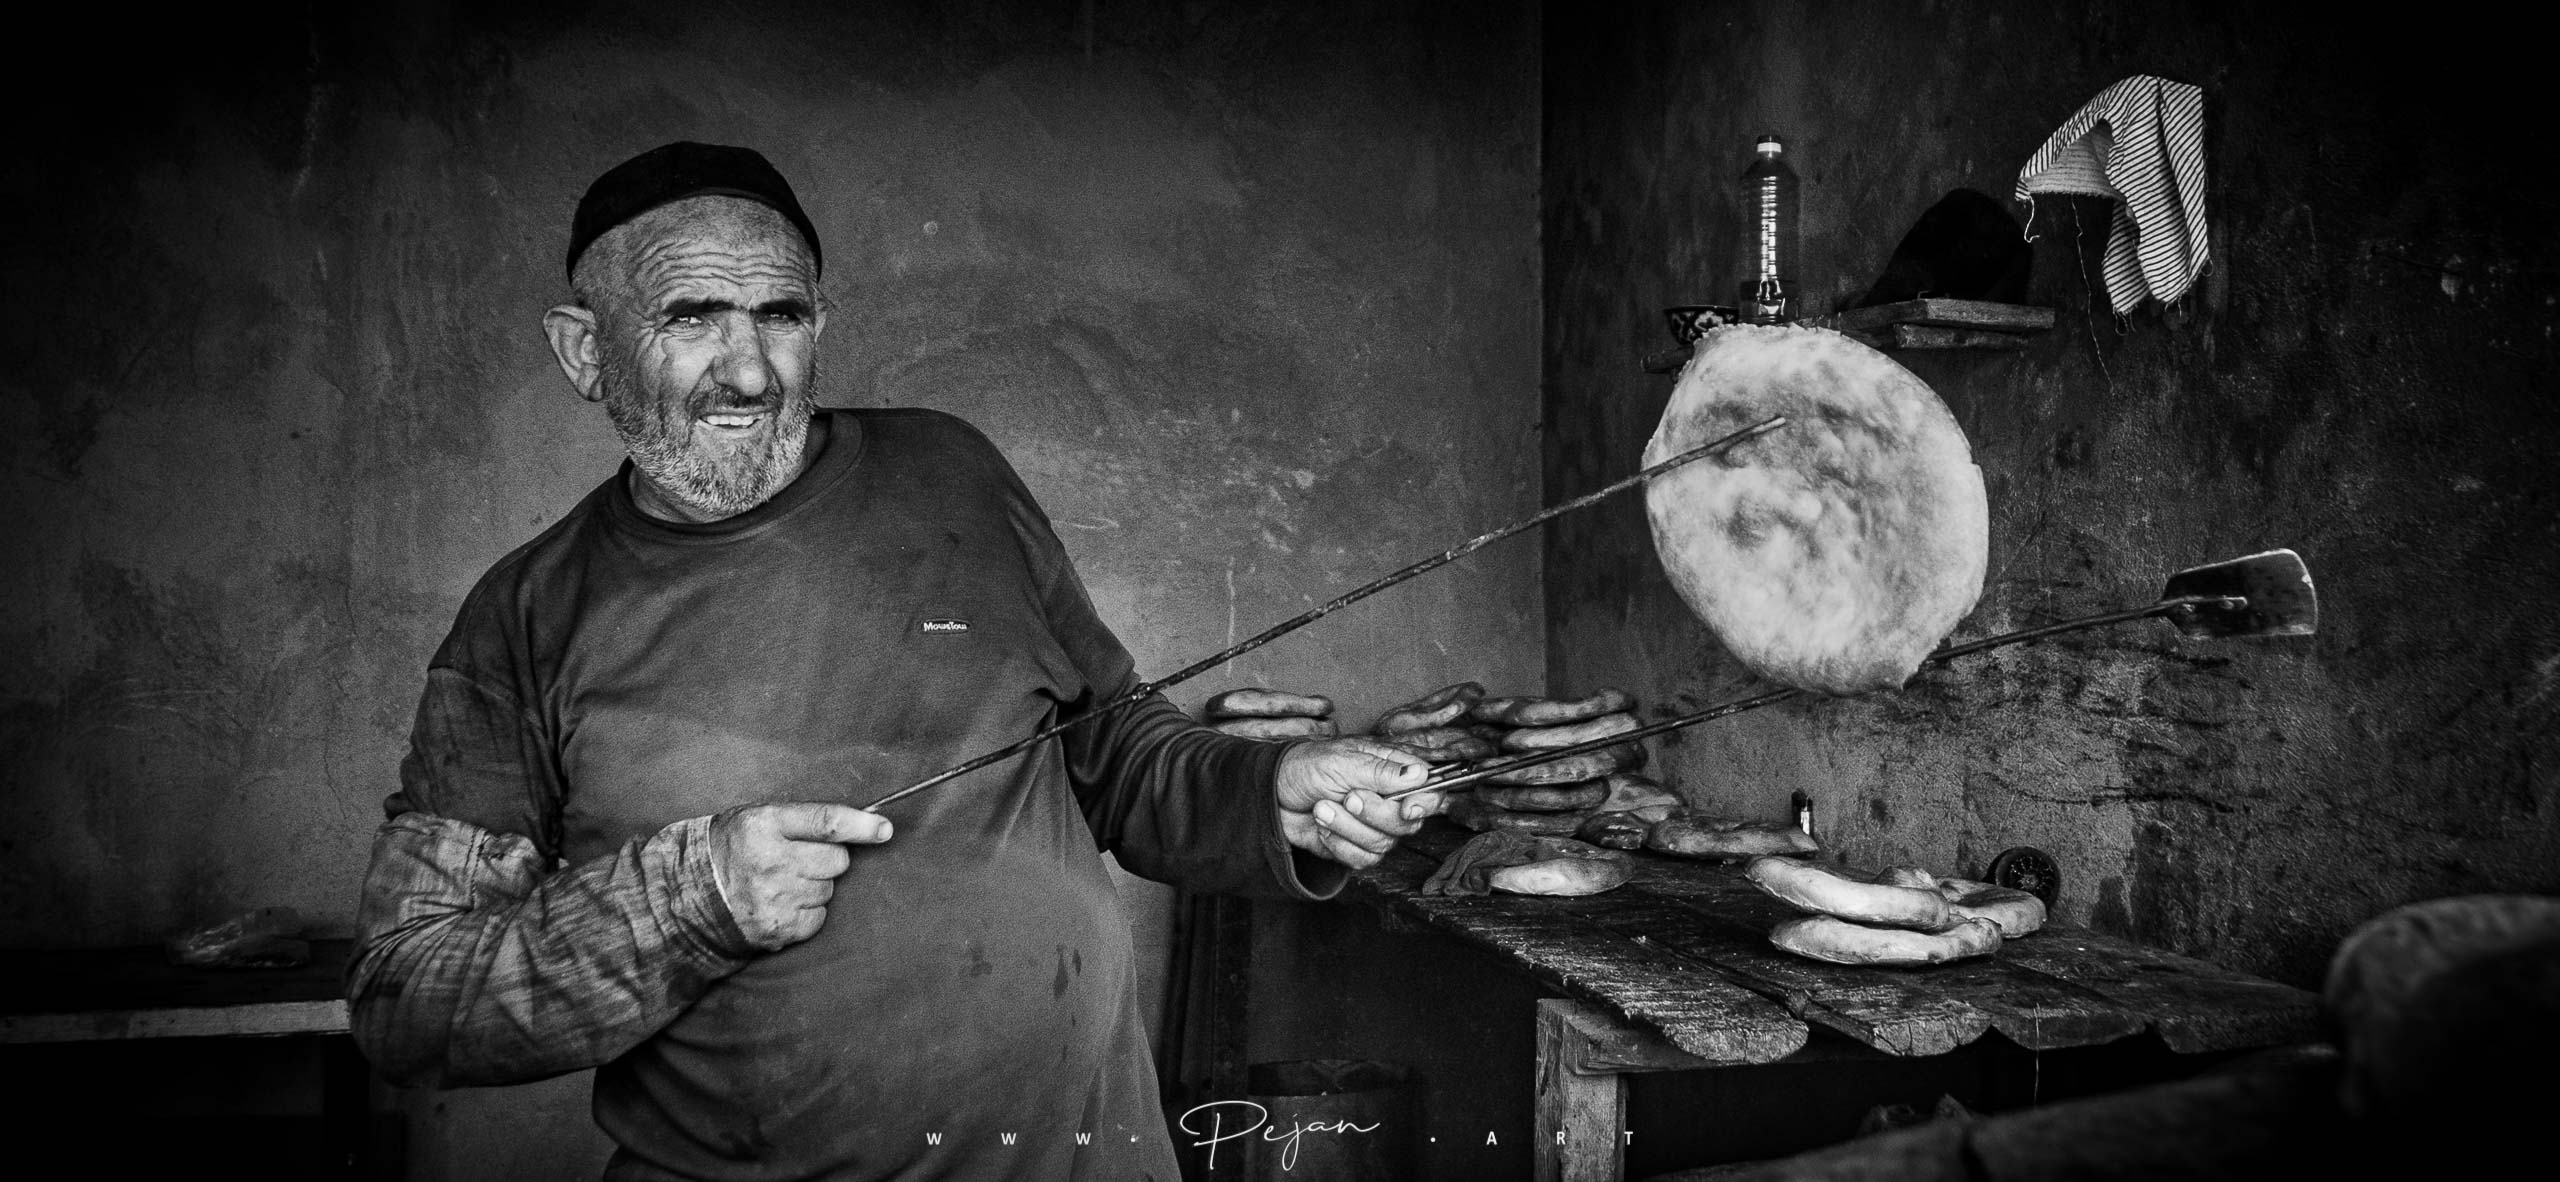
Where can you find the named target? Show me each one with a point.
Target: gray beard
(660, 445)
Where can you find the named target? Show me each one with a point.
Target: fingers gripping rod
(1346, 599)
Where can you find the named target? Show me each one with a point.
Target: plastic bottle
(1769, 292)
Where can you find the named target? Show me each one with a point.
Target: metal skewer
(2267, 594)
(1343, 600)
(1462, 775)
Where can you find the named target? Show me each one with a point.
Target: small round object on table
(2026, 868)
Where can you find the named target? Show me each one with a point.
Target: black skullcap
(673, 173)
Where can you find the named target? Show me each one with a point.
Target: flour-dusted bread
(1573, 769)
(1266, 703)
(1550, 711)
(1300, 727)
(1444, 744)
(1615, 830)
(1438, 708)
(2014, 911)
(1562, 866)
(1549, 738)
(1697, 835)
(1833, 553)
(1642, 796)
(1889, 898)
(1828, 937)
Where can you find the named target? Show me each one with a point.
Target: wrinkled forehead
(708, 241)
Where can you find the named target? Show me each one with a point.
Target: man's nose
(743, 365)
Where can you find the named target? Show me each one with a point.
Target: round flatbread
(1827, 937)
(1550, 711)
(1642, 796)
(1833, 553)
(2015, 912)
(1440, 707)
(1267, 703)
(1444, 744)
(1573, 769)
(1276, 728)
(1615, 830)
(1549, 738)
(1896, 898)
(1564, 866)
(1696, 835)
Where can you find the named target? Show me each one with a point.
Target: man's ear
(574, 342)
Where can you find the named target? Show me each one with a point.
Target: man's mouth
(734, 420)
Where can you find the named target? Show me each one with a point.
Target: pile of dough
(1834, 553)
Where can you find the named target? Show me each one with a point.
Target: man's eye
(782, 319)
(684, 320)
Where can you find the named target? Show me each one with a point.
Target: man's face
(707, 349)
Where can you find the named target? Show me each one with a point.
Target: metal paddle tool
(1345, 599)
(2267, 594)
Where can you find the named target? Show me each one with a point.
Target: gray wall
(1248, 292)
(2364, 375)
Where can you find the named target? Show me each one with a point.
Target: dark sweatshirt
(968, 1009)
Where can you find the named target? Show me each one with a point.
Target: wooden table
(106, 994)
(1675, 971)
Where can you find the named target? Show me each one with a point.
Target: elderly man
(623, 836)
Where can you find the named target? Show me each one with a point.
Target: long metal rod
(1461, 775)
(1338, 602)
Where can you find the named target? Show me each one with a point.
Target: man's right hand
(776, 864)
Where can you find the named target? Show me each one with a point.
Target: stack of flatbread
(1461, 724)
(1899, 916)
(1597, 796)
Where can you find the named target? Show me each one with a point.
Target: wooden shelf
(1914, 324)
(1974, 315)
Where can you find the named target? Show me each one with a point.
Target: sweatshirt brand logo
(942, 627)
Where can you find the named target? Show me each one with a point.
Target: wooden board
(1691, 1005)
(73, 995)
(1579, 1111)
(1911, 324)
(1964, 997)
(269, 1018)
(1876, 1007)
(2195, 1005)
(1681, 923)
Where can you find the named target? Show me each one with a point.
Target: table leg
(1580, 1112)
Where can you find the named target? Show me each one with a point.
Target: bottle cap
(1769, 143)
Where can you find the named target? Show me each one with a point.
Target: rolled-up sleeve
(475, 964)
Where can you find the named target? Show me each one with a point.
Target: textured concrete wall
(1247, 291)
(2364, 375)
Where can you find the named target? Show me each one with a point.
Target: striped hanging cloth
(2140, 142)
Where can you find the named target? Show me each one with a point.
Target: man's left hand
(1329, 798)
